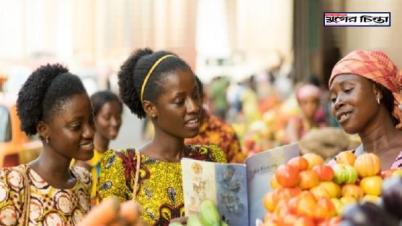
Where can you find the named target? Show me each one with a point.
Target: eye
(348, 90)
(333, 99)
(179, 102)
(76, 127)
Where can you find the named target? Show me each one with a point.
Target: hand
(181, 220)
(110, 212)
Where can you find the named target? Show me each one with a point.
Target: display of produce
(349, 191)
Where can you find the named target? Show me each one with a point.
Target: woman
(107, 111)
(54, 104)
(159, 85)
(364, 90)
(308, 98)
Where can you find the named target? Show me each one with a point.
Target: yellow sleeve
(217, 154)
(112, 182)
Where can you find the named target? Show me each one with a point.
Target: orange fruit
(324, 172)
(270, 201)
(371, 185)
(367, 164)
(353, 191)
(274, 183)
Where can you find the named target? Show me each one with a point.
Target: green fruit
(224, 223)
(344, 174)
(175, 224)
(209, 214)
(194, 220)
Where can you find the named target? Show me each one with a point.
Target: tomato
(287, 176)
(367, 165)
(299, 162)
(313, 160)
(324, 172)
(306, 205)
(286, 193)
(274, 183)
(371, 185)
(325, 208)
(271, 222)
(344, 174)
(308, 179)
(281, 211)
(353, 191)
(320, 191)
(304, 221)
(289, 220)
(333, 189)
(346, 157)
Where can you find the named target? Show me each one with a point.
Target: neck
(380, 136)
(53, 168)
(165, 147)
(101, 143)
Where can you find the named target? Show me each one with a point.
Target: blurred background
(281, 43)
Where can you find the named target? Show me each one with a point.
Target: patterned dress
(48, 205)
(160, 187)
(215, 131)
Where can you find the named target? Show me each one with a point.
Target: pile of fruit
(208, 216)
(308, 192)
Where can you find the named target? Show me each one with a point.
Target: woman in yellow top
(159, 85)
(108, 111)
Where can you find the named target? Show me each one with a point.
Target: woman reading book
(161, 86)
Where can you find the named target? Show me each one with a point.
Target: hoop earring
(378, 100)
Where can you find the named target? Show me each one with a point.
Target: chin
(192, 135)
(85, 157)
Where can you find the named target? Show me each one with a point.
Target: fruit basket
(349, 191)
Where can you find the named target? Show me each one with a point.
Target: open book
(237, 189)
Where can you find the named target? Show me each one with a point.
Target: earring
(47, 139)
(378, 100)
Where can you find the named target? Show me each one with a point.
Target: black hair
(133, 72)
(100, 98)
(43, 93)
(200, 85)
(388, 100)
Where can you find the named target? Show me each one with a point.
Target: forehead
(78, 105)
(349, 78)
(179, 80)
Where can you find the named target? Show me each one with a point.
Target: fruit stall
(349, 191)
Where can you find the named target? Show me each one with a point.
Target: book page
(225, 184)
(260, 168)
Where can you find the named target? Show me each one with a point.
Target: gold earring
(378, 100)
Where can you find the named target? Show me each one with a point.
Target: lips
(87, 146)
(193, 123)
(342, 117)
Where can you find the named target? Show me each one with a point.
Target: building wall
(381, 38)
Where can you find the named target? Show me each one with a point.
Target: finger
(102, 214)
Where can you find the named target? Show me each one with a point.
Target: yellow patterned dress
(160, 187)
(48, 205)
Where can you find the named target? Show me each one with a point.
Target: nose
(193, 106)
(115, 122)
(89, 131)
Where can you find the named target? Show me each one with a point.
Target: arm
(112, 182)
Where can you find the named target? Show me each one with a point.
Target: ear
(150, 109)
(377, 91)
(43, 129)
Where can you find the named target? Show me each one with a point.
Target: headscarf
(307, 90)
(376, 66)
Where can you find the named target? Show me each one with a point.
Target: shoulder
(211, 153)
(82, 174)
(110, 157)
(13, 177)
